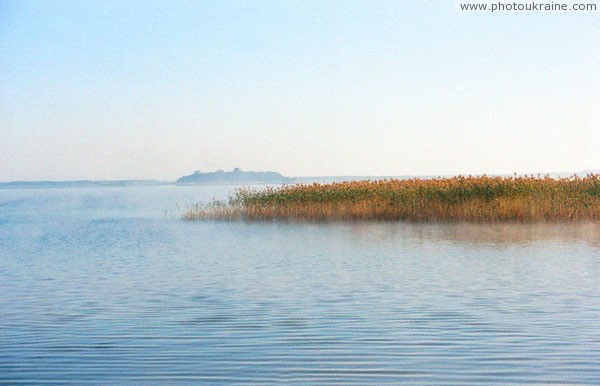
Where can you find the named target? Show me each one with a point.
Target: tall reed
(441, 199)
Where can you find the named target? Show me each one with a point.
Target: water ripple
(102, 292)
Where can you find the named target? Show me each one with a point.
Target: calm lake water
(109, 285)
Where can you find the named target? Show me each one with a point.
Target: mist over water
(109, 285)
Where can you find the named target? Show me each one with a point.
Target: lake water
(109, 285)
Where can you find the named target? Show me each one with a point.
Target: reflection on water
(497, 234)
(100, 286)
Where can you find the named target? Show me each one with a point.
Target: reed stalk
(479, 199)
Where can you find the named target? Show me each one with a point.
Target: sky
(157, 90)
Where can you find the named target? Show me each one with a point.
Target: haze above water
(109, 285)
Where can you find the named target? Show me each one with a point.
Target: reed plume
(461, 198)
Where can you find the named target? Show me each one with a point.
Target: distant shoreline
(238, 177)
(78, 184)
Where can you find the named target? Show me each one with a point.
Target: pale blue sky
(139, 89)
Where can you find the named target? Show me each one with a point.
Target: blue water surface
(109, 285)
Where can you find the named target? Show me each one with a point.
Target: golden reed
(485, 199)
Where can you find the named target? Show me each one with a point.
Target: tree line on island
(237, 175)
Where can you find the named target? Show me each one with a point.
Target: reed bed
(479, 199)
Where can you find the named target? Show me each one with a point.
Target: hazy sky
(140, 89)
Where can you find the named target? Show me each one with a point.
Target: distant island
(220, 177)
(236, 176)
